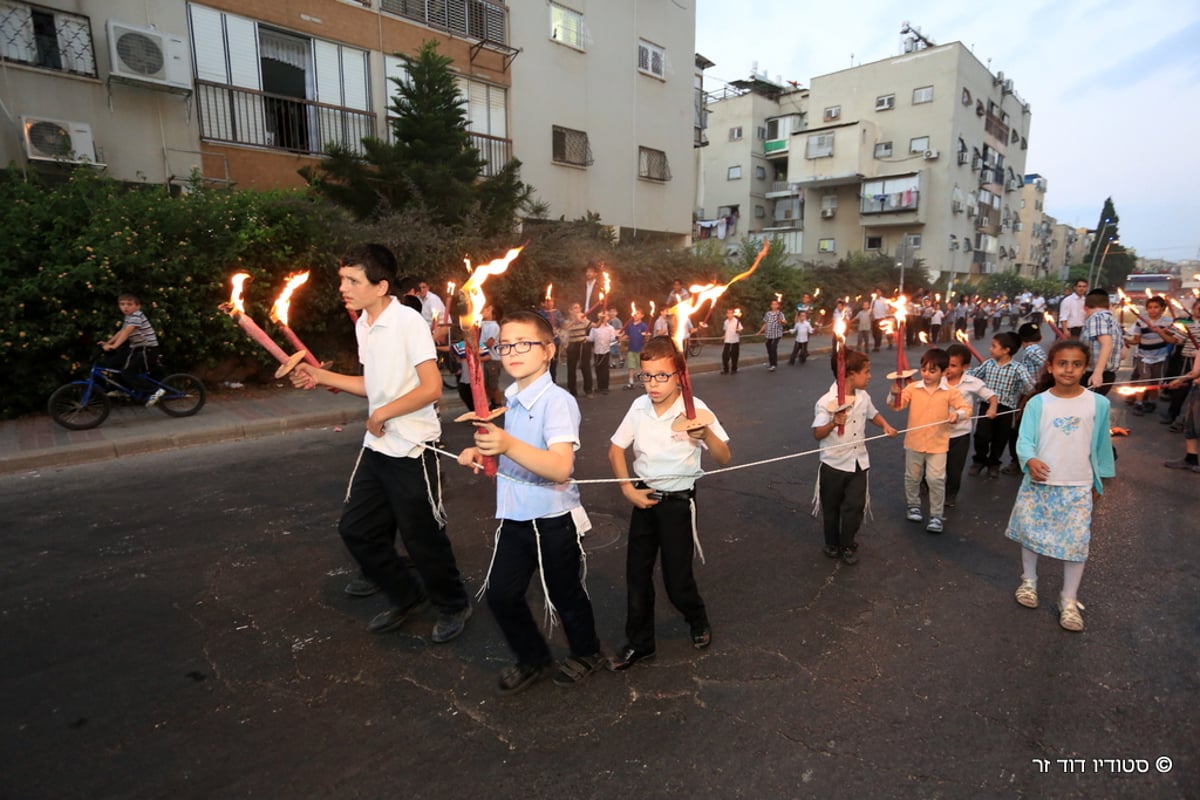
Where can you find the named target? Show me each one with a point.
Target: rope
(760, 462)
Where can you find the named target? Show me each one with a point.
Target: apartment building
(1034, 228)
(744, 192)
(603, 114)
(598, 102)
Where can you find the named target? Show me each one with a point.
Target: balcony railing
(494, 151)
(245, 116)
(478, 19)
(908, 200)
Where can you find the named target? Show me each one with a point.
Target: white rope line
(760, 462)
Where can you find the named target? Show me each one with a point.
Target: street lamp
(1092, 266)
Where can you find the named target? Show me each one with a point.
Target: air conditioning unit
(962, 156)
(145, 55)
(966, 245)
(971, 211)
(1013, 185)
(1008, 86)
(1016, 227)
(58, 140)
(827, 213)
(931, 155)
(956, 206)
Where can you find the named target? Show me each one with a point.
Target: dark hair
(1044, 380)
(659, 347)
(129, 296)
(1030, 332)
(961, 351)
(531, 318)
(935, 357)
(1157, 301)
(1008, 340)
(375, 260)
(412, 301)
(1096, 298)
(856, 361)
(408, 285)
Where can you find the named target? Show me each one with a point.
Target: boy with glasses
(664, 503)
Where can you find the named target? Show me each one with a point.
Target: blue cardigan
(1103, 465)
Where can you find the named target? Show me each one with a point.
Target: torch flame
(607, 284)
(710, 293)
(961, 336)
(1049, 317)
(235, 299)
(779, 297)
(923, 337)
(817, 293)
(737, 312)
(652, 308)
(901, 306)
(632, 309)
(839, 329)
(1127, 391)
(887, 326)
(283, 303)
(549, 291)
(473, 288)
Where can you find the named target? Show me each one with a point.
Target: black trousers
(579, 356)
(843, 502)
(877, 332)
(773, 352)
(799, 349)
(956, 459)
(991, 435)
(602, 367)
(729, 356)
(388, 495)
(515, 563)
(665, 528)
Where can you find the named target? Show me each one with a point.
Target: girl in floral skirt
(1064, 448)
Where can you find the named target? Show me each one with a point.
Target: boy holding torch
(396, 484)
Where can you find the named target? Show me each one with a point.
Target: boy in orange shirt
(932, 404)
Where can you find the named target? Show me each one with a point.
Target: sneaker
(1026, 593)
(951, 500)
(833, 552)
(1180, 463)
(1011, 468)
(1068, 614)
(914, 514)
(850, 554)
(574, 669)
(518, 677)
(362, 586)
(974, 470)
(994, 471)
(393, 618)
(701, 635)
(1176, 427)
(154, 398)
(450, 625)
(770, 369)
(935, 525)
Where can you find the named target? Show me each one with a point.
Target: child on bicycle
(135, 345)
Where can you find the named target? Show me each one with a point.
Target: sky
(1114, 88)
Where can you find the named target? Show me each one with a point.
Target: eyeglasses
(514, 347)
(656, 377)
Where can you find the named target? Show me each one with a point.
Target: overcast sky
(1114, 88)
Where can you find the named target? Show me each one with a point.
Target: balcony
(836, 157)
(477, 19)
(245, 116)
(782, 189)
(494, 151)
(774, 148)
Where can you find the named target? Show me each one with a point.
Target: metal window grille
(652, 165)
(571, 147)
(478, 19)
(49, 39)
(652, 59)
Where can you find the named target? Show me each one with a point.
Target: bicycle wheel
(694, 348)
(185, 395)
(78, 406)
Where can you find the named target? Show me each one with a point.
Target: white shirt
(803, 330)
(1064, 438)
(733, 330)
(390, 349)
(658, 450)
(854, 453)
(879, 308)
(973, 391)
(601, 337)
(1070, 311)
(431, 303)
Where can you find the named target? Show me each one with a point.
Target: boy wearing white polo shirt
(664, 505)
(395, 485)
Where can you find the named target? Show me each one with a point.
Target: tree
(1107, 238)
(430, 163)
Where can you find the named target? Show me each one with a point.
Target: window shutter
(477, 107)
(354, 79)
(329, 78)
(498, 112)
(242, 39)
(208, 45)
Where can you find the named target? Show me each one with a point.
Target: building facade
(246, 93)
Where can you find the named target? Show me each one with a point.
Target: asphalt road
(173, 625)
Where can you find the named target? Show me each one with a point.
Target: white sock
(1072, 575)
(1029, 561)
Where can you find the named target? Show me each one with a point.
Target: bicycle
(85, 404)
(694, 346)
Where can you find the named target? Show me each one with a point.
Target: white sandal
(1026, 593)
(1068, 615)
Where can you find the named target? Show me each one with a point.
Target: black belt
(687, 494)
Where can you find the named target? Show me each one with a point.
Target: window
(923, 95)
(566, 27)
(653, 166)
(919, 145)
(652, 59)
(735, 134)
(734, 173)
(890, 194)
(761, 133)
(44, 38)
(874, 243)
(833, 113)
(829, 202)
(826, 246)
(760, 173)
(914, 241)
(760, 212)
(486, 106)
(820, 145)
(570, 147)
(885, 102)
(883, 150)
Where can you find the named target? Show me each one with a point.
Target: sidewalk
(35, 442)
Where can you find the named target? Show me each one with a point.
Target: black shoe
(850, 554)
(628, 656)
(701, 635)
(450, 625)
(833, 552)
(574, 669)
(518, 677)
(362, 586)
(394, 617)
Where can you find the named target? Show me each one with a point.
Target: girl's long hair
(1044, 379)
